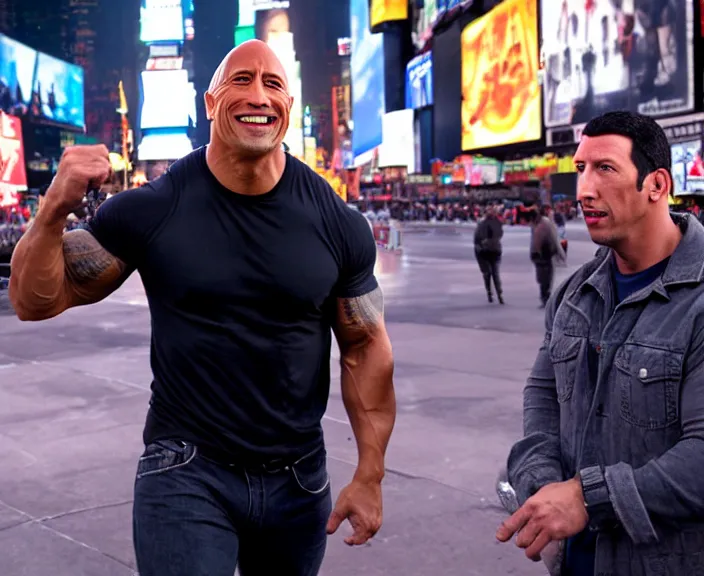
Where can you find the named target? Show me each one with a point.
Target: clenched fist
(81, 169)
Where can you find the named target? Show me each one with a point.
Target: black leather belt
(271, 466)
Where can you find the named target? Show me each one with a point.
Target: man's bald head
(248, 102)
(247, 54)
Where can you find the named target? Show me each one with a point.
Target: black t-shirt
(242, 292)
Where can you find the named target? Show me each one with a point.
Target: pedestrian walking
(544, 248)
(487, 249)
(248, 259)
(612, 457)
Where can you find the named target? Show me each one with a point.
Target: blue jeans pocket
(311, 473)
(165, 455)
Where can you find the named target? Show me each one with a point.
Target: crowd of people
(509, 212)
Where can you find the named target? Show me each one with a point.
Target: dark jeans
(489, 267)
(197, 517)
(544, 274)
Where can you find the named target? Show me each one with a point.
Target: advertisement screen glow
(398, 146)
(17, 63)
(601, 57)
(167, 99)
(13, 176)
(161, 21)
(169, 146)
(419, 81)
(687, 167)
(58, 92)
(367, 65)
(501, 98)
(387, 11)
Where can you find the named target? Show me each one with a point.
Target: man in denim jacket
(612, 460)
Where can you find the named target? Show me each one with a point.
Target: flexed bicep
(91, 272)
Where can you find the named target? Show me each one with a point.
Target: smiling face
(248, 101)
(615, 210)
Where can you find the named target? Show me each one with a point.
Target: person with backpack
(487, 249)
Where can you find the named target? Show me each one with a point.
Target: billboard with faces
(600, 56)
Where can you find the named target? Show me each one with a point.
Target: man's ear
(290, 103)
(209, 105)
(659, 184)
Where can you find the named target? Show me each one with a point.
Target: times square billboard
(39, 87)
(273, 26)
(161, 21)
(168, 96)
(601, 56)
(13, 174)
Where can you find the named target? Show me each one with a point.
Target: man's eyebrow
(273, 75)
(238, 72)
(597, 160)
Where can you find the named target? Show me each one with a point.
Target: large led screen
(13, 175)
(500, 92)
(687, 167)
(398, 146)
(168, 99)
(387, 11)
(268, 24)
(57, 96)
(161, 21)
(17, 64)
(164, 146)
(274, 27)
(367, 66)
(602, 56)
(419, 81)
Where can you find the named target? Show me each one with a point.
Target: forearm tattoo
(364, 313)
(87, 261)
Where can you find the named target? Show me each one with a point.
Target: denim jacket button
(642, 374)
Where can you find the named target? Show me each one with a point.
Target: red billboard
(13, 175)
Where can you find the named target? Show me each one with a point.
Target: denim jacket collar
(686, 265)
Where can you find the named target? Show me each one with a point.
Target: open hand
(360, 503)
(555, 512)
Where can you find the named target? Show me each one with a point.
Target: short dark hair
(650, 150)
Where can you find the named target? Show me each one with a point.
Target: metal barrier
(388, 236)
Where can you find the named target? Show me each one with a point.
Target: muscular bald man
(249, 259)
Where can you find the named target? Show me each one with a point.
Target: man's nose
(585, 186)
(257, 95)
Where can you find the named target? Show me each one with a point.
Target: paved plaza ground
(74, 393)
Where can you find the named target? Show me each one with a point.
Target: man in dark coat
(487, 248)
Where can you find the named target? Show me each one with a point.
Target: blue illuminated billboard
(419, 81)
(367, 66)
(57, 96)
(17, 64)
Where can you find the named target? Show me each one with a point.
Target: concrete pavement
(74, 392)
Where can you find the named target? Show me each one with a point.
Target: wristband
(596, 499)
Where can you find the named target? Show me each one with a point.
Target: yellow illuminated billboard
(387, 11)
(501, 97)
